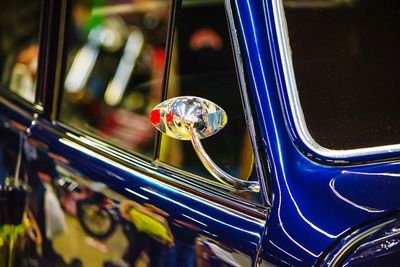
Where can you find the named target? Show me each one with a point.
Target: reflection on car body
(297, 100)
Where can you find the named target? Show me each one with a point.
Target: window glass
(19, 34)
(346, 60)
(203, 65)
(116, 51)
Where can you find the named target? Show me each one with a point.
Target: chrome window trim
(294, 100)
(260, 173)
(152, 171)
(29, 115)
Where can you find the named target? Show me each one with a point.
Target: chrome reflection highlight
(365, 208)
(195, 211)
(194, 118)
(177, 117)
(284, 251)
(152, 180)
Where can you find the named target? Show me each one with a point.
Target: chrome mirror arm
(194, 118)
(216, 171)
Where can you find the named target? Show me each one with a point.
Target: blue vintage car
(199, 133)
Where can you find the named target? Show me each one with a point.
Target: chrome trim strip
(155, 177)
(338, 257)
(9, 104)
(294, 100)
(131, 163)
(245, 98)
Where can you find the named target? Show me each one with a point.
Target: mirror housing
(194, 118)
(176, 117)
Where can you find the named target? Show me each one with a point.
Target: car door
(99, 195)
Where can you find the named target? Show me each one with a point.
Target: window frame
(294, 116)
(153, 167)
(36, 106)
(242, 84)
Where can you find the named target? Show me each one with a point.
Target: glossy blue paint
(317, 207)
(12, 125)
(200, 229)
(314, 204)
(189, 216)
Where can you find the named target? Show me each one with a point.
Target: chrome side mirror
(194, 118)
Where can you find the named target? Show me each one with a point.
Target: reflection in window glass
(346, 60)
(116, 53)
(203, 65)
(19, 34)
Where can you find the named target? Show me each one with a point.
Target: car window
(203, 65)
(346, 61)
(19, 50)
(115, 63)
(114, 77)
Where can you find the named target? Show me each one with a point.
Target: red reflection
(170, 116)
(155, 116)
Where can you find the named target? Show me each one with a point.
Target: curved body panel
(315, 203)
